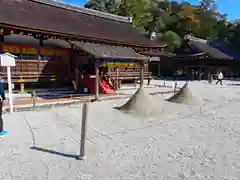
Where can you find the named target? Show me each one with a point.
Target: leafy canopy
(172, 20)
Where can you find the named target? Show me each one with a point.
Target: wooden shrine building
(199, 55)
(56, 41)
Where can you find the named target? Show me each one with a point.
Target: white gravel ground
(185, 142)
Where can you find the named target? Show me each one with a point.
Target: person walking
(2, 99)
(220, 78)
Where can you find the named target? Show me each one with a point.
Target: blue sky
(230, 7)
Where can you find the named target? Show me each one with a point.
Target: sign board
(119, 63)
(8, 60)
(34, 50)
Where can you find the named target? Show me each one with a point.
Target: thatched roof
(51, 16)
(203, 46)
(107, 51)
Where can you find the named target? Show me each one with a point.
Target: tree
(208, 5)
(139, 10)
(172, 20)
(164, 23)
(172, 39)
(110, 6)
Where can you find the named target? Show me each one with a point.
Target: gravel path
(185, 142)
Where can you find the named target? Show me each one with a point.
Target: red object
(104, 87)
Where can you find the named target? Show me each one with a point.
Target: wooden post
(77, 78)
(141, 73)
(22, 87)
(33, 96)
(1, 37)
(200, 74)
(38, 64)
(10, 89)
(159, 69)
(117, 83)
(175, 87)
(97, 80)
(83, 131)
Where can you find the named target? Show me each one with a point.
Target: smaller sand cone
(141, 104)
(185, 96)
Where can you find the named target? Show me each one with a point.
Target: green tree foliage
(172, 20)
(138, 10)
(110, 6)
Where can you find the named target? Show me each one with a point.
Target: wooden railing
(34, 77)
(36, 70)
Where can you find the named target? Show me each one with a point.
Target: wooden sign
(8, 60)
(32, 51)
(47, 52)
(119, 64)
(15, 49)
(11, 49)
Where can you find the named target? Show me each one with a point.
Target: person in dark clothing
(2, 99)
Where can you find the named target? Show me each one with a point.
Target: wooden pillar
(159, 69)
(117, 80)
(38, 64)
(22, 87)
(1, 38)
(141, 73)
(97, 80)
(200, 74)
(77, 78)
(119, 83)
(41, 42)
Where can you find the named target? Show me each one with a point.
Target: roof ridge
(76, 8)
(196, 39)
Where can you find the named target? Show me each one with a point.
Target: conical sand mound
(185, 96)
(141, 104)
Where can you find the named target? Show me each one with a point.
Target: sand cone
(185, 96)
(141, 104)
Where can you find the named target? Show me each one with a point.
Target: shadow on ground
(234, 84)
(55, 152)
